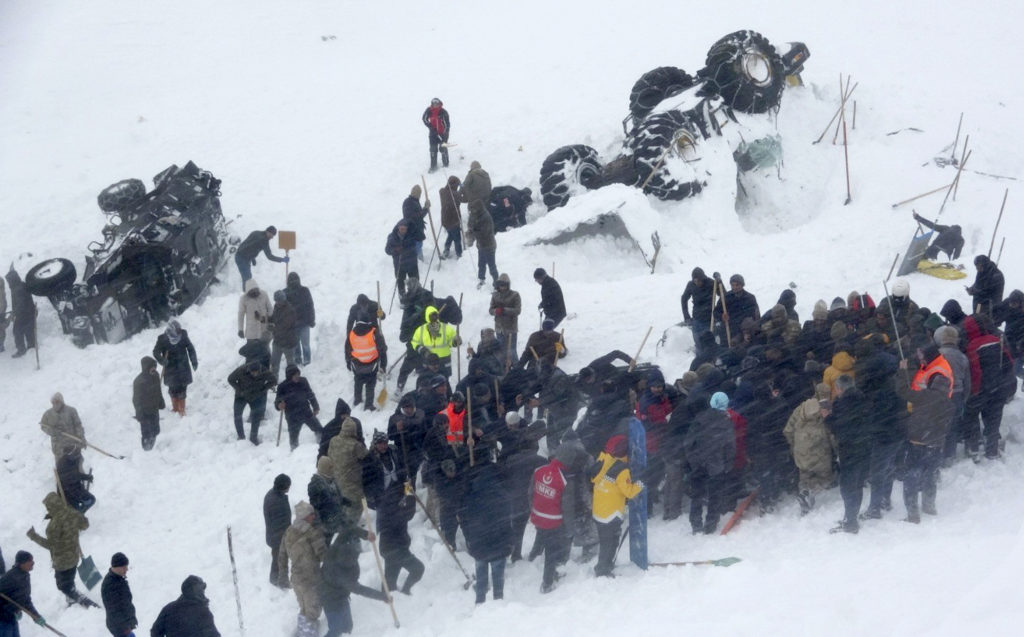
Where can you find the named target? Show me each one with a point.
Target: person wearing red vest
(546, 515)
(366, 354)
(436, 119)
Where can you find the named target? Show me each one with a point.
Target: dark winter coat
(324, 496)
(740, 305)
(187, 616)
(551, 300)
(409, 441)
(251, 386)
(414, 304)
(252, 245)
(848, 421)
(439, 132)
(415, 216)
(987, 289)
(72, 478)
(333, 427)
(339, 573)
(147, 396)
(301, 300)
(476, 190)
(518, 466)
(298, 398)
(507, 205)
(988, 372)
(709, 443)
(178, 360)
(486, 514)
(117, 601)
(17, 585)
(451, 216)
(542, 342)
(480, 229)
(508, 301)
(701, 296)
(277, 516)
(402, 249)
(931, 412)
(385, 491)
(255, 350)
(284, 325)
(366, 311)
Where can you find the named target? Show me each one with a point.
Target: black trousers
(365, 383)
(608, 534)
(852, 475)
(295, 423)
(150, 425)
(395, 561)
(556, 544)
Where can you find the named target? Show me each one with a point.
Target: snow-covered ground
(309, 112)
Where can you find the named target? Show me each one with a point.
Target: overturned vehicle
(159, 253)
(673, 114)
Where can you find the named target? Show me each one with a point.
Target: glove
(421, 350)
(498, 311)
(286, 259)
(639, 483)
(39, 620)
(196, 366)
(241, 334)
(87, 478)
(348, 364)
(380, 313)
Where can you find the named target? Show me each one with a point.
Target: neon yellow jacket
(442, 344)
(612, 487)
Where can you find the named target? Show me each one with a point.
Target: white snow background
(309, 113)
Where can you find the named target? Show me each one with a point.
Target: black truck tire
(653, 87)
(746, 71)
(50, 277)
(564, 169)
(652, 142)
(117, 197)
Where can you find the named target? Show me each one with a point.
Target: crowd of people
(861, 394)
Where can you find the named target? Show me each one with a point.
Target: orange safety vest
(364, 348)
(455, 423)
(939, 365)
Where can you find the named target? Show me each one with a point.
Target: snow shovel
(87, 571)
(382, 396)
(32, 615)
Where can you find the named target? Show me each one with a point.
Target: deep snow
(321, 135)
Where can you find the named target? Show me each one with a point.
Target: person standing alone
(436, 119)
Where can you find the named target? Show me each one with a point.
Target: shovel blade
(87, 571)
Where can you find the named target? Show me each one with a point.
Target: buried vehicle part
(117, 197)
(663, 142)
(746, 71)
(653, 87)
(50, 277)
(568, 171)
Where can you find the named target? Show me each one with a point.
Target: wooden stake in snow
(998, 219)
(846, 156)
(836, 114)
(234, 576)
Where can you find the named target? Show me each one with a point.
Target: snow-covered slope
(309, 112)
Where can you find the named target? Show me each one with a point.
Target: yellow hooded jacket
(440, 345)
(612, 487)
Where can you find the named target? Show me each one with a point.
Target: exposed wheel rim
(757, 68)
(685, 146)
(48, 269)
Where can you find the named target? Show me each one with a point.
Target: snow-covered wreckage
(159, 253)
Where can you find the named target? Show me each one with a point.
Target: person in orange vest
(546, 515)
(456, 413)
(366, 354)
(932, 362)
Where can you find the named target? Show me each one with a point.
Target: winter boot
(873, 513)
(181, 406)
(806, 501)
(444, 156)
(845, 526)
(480, 284)
(928, 501)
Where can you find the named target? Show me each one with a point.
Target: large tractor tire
(653, 143)
(50, 277)
(746, 71)
(655, 86)
(117, 197)
(568, 171)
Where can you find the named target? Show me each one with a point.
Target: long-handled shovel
(380, 567)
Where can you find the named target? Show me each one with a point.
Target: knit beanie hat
(303, 509)
(118, 559)
(820, 312)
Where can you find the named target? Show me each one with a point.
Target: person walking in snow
(61, 540)
(848, 419)
(366, 354)
(148, 400)
(250, 248)
(339, 578)
(284, 327)
(296, 398)
(436, 119)
(348, 451)
(251, 382)
(277, 517)
(73, 481)
(254, 310)
(506, 306)
(401, 246)
(117, 598)
(305, 315)
(552, 302)
(451, 216)
(177, 356)
(62, 424)
(23, 313)
(187, 616)
(476, 191)
(700, 289)
(303, 544)
(325, 498)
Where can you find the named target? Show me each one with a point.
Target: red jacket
(546, 502)
(976, 341)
